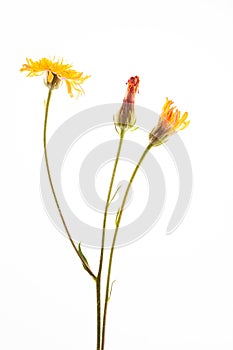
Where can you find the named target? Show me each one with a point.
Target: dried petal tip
(170, 122)
(125, 118)
(56, 72)
(132, 89)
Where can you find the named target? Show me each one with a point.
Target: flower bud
(125, 118)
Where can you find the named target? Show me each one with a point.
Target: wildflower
(125, 118)
(56, 73)
(170, 122)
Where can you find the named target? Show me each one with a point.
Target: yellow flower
(56, 73)
(170, 122)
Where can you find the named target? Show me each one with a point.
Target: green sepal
(117, 130)
(134, 129)
(113, 118)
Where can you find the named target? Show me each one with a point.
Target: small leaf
(82, 255)
(117, 216)
(111, 290)
(114, 195)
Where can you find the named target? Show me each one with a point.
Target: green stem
(87, 268)
(98, 279)
(114, 241)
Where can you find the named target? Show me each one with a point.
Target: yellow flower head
(170, 122)
(56, 73)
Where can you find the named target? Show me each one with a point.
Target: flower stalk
(125, 120)
(85, 265)
(98, 279)
(118, 221)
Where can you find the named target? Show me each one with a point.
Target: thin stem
(87, 268)
(98, 280)
(114, 241)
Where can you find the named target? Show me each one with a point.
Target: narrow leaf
(117, 216)
(114, 194)
(83, 256)
(111, 290)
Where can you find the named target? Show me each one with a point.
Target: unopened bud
(125, 118)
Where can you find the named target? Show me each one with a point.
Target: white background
(172, 292)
